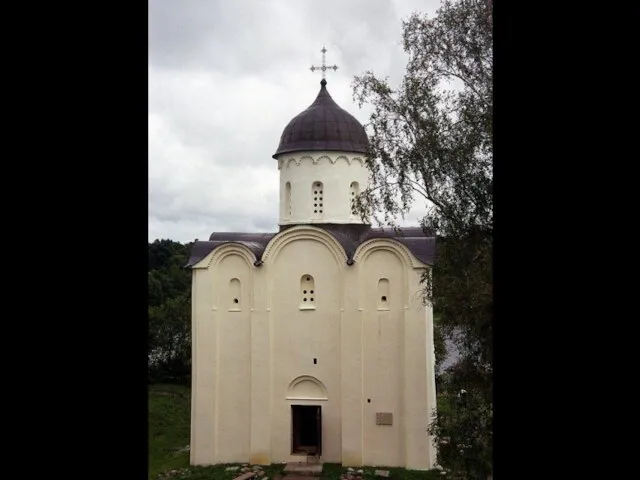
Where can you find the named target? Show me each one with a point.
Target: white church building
(314, 340)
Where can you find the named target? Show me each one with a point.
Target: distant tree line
(169, 346)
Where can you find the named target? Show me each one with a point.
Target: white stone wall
(253, 359)
(341, 175)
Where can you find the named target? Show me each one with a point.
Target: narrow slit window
(354, 191)
(383, 294)
(307, 292)
(287, 199)
(317, 196)
(235, 301)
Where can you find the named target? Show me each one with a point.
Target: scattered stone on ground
(351, 475)
(231, 469)
(246, 476)
(250, 471)
(382, 473)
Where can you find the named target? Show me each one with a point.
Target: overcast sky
(225, 78)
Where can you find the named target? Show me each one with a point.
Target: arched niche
(306, 387)
(235, 292)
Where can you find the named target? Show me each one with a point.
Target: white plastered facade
(317, 187)
(362, 346)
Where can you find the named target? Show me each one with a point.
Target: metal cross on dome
(324, 68)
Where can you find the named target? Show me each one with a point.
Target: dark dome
(323, 126)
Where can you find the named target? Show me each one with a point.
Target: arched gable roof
(350, 237)
(256, 242)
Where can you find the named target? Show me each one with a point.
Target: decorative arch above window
(235, 303)
(306, 387)
(383, 294)
(307, 293)
(317, 194)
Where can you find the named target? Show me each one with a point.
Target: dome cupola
(324, 126)
(321, 158)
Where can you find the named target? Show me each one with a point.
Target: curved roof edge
(256, 242)
(350, 237)
(321, 146)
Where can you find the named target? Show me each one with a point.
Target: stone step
(303, 469)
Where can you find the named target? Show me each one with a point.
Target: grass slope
(169, 429)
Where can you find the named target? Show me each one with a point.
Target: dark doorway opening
(306, 432)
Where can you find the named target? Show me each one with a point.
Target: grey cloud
(260, 36)
(225, 77)
(227, 36)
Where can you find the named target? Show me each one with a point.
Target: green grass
(169, 428)
(331, 471)
(169, 431)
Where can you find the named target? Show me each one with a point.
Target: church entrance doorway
(306, 432)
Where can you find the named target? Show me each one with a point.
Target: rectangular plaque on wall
(384, 418)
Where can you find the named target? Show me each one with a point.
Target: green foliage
(428, 139)
(463, 293)
(439, 344)
(464, 426)
(431, 141)
(169, 314)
